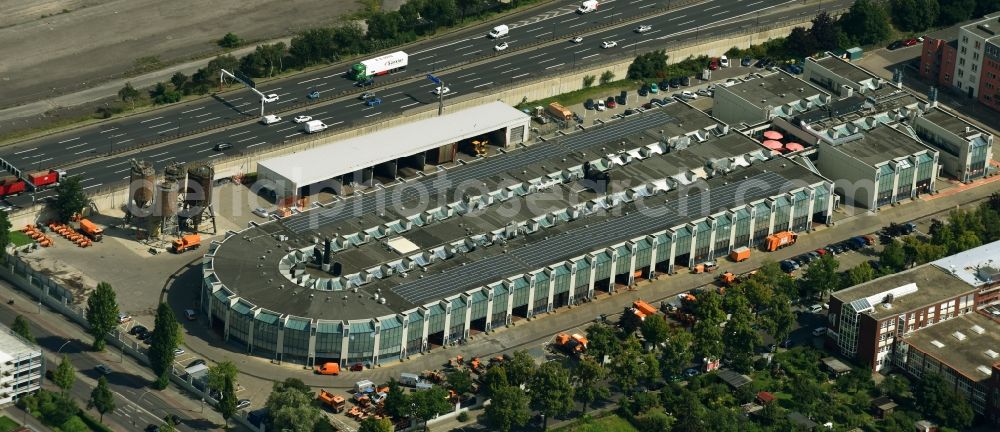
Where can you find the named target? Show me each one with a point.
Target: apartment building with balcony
(967, 60)
(21, 366)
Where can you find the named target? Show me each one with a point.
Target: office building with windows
(21, 366)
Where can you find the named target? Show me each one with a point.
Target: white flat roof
(342, 157)
(977, 266)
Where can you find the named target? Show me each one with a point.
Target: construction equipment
(329, 368)
(572, 344)
(642, 309)
(477, 366)
(480, 147)
(779, 240)
(455, 362)
(186, 243)
(434, 376)
(91, 230)
(36, 235)
(336, 403)
(740, 254)
(706, 267)
(70, 234)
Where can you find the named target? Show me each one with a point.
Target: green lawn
(609, 423)
(18, 238)
(7, 425)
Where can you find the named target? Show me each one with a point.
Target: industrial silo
(142, 180)
(198, 195)
(167, 192)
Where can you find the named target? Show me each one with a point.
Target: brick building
(966, 60)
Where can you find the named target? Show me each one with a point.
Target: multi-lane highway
(677, 25)
(435, 54)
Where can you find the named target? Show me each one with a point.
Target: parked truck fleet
(13, 185)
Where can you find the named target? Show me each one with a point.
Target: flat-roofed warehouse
(544, 229)
(346, 165)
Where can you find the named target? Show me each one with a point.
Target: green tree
(984, 7)
(860, 274)
(162, 94)
(520, 368)
(893, 257)
(551, 391)
(779, 318)
(4, 232)
(230, 40)
(384, 25)
(166, 337)
(655, 330)
(101, 398)
(866, 23)
(102, 313)
(129, 94)
(941, 402)
(219, 373)
(740, 339)
(626, 368)
(508, 409)
(955, 11)
(65, 375)
(914, 15)
(494, 379)
(708, 307)
(707, 341)
(291, 406)
(821, 277)
(588, 376)
(602, 340)
(397, 404)
(676, 353)
(227, 405)
(70, 199)
(460, 381)
(648, 65)
(825, 32)
(370, 424)
(21, 328)
(895, 386)
(179, 80)
(606, 77)
(442, 13)
(431, 403)
(588, 80)
(800, 42)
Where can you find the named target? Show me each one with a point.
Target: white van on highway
(499, 31)
(270, 119)
(587, 6)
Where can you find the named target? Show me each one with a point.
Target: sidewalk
(24, 419)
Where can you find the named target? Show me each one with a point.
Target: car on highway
(577, 39)
(270, 119)
(365, 83)
(363, 96)
(440, 90)
(746, 61)
(500, 46)
(373, 101)
(724, 61)
(196, 363)
(273, 97)
(653, 88)
(179, 351)
(104, 369)
(609, 44)
(313, 94)
(242, 403)
(688, 95)
(152, 428)
(643, 28)
(302, 119)
(172, 419)
(222, 146)
(599, 105)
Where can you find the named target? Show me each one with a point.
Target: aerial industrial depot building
(431, 257)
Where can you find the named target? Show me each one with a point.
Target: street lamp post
(63, 346)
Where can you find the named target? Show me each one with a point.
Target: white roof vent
(958, 335)
(937, 343)
(991, 354)
(977, 329)
(985, 370)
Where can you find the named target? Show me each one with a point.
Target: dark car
(196, 363)
(794, 69)
(665, 84)
(896, 45)
(647, 105)
(804, 259)
(629, 112)
(373, 101)
(762, 63)
(788, 266)
(172, 419)
(685, 81)
(835, 249)
(223, 146)
(152, 428)
(656, 101)
(675, 82)
(137, 330)
(365, 83)
(643, 91)
(589, 104)
(746, 61)
(357, 367)
(313, 94)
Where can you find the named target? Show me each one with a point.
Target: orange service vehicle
(329, 368)
(740, 254)
(91, 230)
(779, 240)
(186, 243)
(336, 403)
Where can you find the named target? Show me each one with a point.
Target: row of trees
(919, 15)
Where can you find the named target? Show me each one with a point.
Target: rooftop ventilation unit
(991, 354)
(985, 370)
(937, 343)
(959, 335)
(977, 329)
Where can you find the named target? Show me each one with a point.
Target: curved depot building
(540, 227)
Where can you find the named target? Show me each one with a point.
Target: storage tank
(198, 194)
(167, 193)
(142, 178)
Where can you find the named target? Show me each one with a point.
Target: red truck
(12, 185)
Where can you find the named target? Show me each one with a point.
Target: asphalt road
(437, 53)
(137, 404)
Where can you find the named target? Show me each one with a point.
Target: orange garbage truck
(779, 240)
(186, 243)
(336, 403)
(91, 230)
(740, 254)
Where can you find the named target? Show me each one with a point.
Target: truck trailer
(587, 7)
(379, 66)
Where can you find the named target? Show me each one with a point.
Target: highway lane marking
(425, 58)
(521, 75)
(84, 143)
(472, 52)
(392, 94)
(294, 134)
(501, 65)
(198, 144)
(536, 56)
(192, 110)
(412, 104)
(585, 49)
(123, 142)
(320, 84)
(284, 94)
(168, 130)
(510, 70)
(213, 118)
(247, 139)
(755, 3)
(484, 84)
(203, 115)
(243, 104)
(86, 151)
(272, 90)
(400, 100)
(543, 34)
(710, 8)
(442, 46)
(462, 48)
(463, 76)
(720, 13)
(309, 80)
(577, 25)
(166, 159)
(251, 145)
(587, 57)
(121, 171)
(86, 179)
(241, 133)
(28, 150)
(553, 66)
(614, 14)
(288, 100)
(158, 154)
(149, 120)
(634, 2)
(571, 19)
(677, 17)
(233, 100)
(546, 60)
(279, 130)
(109, 130)
(651, 32)
(92, 186)
(43, 160)
(161, 124)
(112, 136)
(334, 124)
(66, 141)
(119, 163)
(433, 63)
(373, 114)
(200, 151)
(686, 22)
(330, 76)
(646, 6)
(529, 31)
(473, 79)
